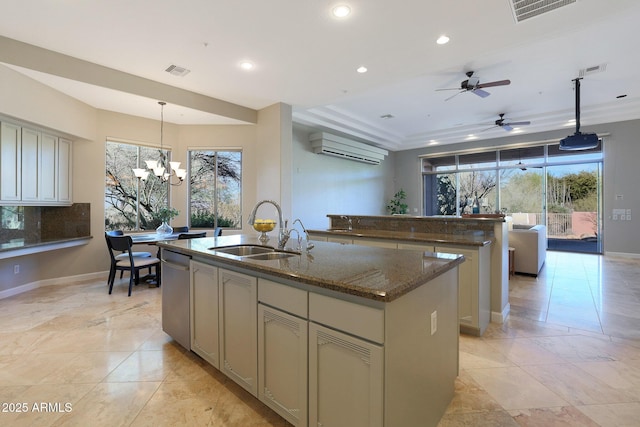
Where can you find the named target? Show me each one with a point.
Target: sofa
(530, 244)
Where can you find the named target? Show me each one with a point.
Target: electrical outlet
(16, 269)
(434, 322)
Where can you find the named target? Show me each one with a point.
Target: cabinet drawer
(286, 298)
(356, 319)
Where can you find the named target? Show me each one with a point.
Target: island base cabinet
(345, 380)
(239, 328)
(204, 312)
(282, 364)
(474, 298)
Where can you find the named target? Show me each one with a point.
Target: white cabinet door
(345, 380)
(65, 182)
(474, 288)
(204, 312)
(30, 158)
(10, 163)
(467, 285)
(48, 176)
(239, 328)
(282, 363)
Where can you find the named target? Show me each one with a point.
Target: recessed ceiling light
(433, 142)
(471, 136)
(341, 11)
(247, 65)
(361, 69)
(442, 39)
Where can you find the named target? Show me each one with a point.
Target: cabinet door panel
(64, 171)
(204, 312)
(239, 339)
(282, 363)
(48, 178)
(345, 380)
(30, 165)
(10, 163)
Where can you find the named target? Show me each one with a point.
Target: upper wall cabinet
(35, 167)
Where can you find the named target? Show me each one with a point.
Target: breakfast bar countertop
(377, 274)
(466, 238)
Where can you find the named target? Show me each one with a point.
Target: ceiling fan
(501, 122)
(473, 85)
(522, 166)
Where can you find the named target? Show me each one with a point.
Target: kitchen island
(342, 335)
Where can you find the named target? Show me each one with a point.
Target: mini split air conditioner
(337, 146)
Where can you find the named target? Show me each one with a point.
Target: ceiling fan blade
(496, 83)
(518, 123)
(449, 88)
(481, 93)
(489, 128)
(454, 95)
(507, 127)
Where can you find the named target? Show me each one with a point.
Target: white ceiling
(305, 57)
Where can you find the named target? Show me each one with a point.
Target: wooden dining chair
(183, 236)
(131, 264)
(117, 257)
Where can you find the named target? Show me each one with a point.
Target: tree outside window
(215, 196)
(130, 204)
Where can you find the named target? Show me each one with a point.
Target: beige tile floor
(569, 355)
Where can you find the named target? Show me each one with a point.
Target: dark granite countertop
(467, 238)
(375, 273)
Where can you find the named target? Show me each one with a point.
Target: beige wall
(90, 128)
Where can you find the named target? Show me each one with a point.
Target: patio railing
(574, 224)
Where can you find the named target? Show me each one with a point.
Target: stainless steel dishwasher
(175, 296)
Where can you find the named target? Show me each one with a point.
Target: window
(509, 180)
(215, 195)
(130, 204)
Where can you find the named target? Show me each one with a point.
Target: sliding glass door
(573, 207)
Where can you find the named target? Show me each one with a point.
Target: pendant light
(159, 167)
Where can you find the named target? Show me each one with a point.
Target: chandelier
(160, 167)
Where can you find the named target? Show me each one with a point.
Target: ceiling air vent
(525, 9)
(600, 68)
(176, 70)
(332, 145)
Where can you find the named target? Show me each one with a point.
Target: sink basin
(244, 250)
(257, 252)
(272, 255)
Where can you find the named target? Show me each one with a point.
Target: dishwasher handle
(175, 266)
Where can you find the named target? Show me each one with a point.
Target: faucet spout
(283, 234)
(349, 222)
(308, 245)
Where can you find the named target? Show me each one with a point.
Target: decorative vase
(164, 228)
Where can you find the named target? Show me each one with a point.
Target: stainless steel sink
(257, 252)
(272, 255)
(244, 250)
